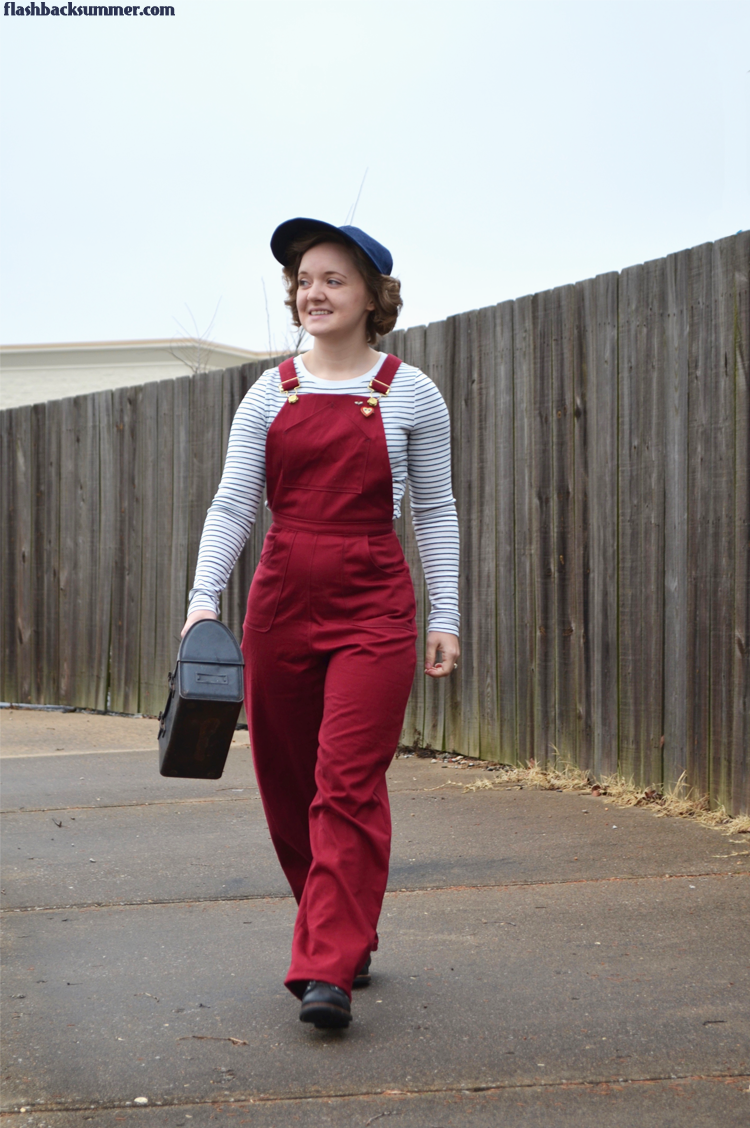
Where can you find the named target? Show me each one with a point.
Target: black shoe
(362, 978)
(326, 1005)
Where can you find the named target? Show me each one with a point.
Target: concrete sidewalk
(546, 959)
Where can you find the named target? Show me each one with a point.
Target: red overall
(329, 645)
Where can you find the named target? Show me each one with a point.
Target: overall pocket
(268, 580)
(386, 554)
(312, 461)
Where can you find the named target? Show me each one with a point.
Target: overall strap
(388, 369)
(288, 375)
(381, 383)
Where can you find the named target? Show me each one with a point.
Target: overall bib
(329, 647)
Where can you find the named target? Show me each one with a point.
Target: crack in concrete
(173, 802)
(135, 804)
(312, 1098)
(59, 752)
(96, 906)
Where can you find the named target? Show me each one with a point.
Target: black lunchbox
(205, 698)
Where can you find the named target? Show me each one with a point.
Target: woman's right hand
(195, 618)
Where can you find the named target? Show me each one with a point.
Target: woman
(329, 636)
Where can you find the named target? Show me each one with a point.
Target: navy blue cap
(288, 233)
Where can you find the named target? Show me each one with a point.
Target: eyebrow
(326, 272)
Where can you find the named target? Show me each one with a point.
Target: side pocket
(268, 582)
(386, 553)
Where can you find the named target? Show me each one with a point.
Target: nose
(316, 291)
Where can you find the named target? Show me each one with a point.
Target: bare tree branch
(194, 351)
(350, 214)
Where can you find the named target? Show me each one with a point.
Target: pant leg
(367, 686)
(284, 697)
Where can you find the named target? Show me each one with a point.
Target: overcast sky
(509, 147)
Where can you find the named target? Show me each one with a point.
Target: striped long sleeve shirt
(417, 432)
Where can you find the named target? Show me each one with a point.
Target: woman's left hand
(448, 645)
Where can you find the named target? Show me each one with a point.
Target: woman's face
(332, 296)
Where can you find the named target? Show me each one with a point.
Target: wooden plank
(462, 731)
(439, 361)
(463, 689)
(628, 518)
(585, 375)
(6, 611)
(567, 627)
(699, 519)
(69, 628)
(126, 588)
(629, 564)
(596, 521)
(474, 700)
(581, 579)
(38, 577)
(741, 648)
(460, 704)
(393, 342)
(79, 517)
(652, 667)
(165, 645)
(482, 441)
(50, 654)
(178, 569)
(652, 529)
(505, 585)
(525, 614)
(413, 352)
(542, 487)
(722, 528)
(69, 641)
(89, 677)
(8, 535)
(641, 522)
(105, 548)
(676, 380)
(150, 676)
(22, 547)
(602, 336)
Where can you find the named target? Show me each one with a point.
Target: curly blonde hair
(384, 289)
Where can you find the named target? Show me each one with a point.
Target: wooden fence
(601, 443)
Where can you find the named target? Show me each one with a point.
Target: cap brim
(294, 229)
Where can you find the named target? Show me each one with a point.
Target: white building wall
(37, 373)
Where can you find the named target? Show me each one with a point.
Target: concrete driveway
(546, 959)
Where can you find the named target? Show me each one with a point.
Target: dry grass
(619, 792)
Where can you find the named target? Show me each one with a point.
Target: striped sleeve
(433, 505)
(232, 513)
